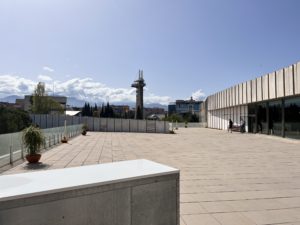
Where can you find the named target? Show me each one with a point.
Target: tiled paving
(228, 179)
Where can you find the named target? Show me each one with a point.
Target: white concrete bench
(136, 192)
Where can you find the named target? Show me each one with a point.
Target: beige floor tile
(231, 176)
(274, 216)
(202, 219)
(191, 208)
(233, 219)
(217, 207)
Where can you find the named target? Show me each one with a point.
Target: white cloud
(46, 68)
(198, 95)
(44, 77)
(82, 88)
(15, 85)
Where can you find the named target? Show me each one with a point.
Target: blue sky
(182, 46)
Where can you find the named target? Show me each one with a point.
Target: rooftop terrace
(225, 178)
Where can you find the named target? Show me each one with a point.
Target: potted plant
(64, 139)
(84, 129)
(33, 139)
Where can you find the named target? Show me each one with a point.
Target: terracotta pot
(83, 132)
(34, 158)
(64, 140)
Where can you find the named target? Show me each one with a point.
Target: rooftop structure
(25, 103)
(139, 84)
(268, 104)
(185, 106)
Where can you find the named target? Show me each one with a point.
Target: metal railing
(12, 148)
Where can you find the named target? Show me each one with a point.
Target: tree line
(106, 111)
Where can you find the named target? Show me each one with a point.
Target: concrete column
(268, 117)
(280, 83)
(283, 118)
(289, 81)
(297, 78)
(272, 86)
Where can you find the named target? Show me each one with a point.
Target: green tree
(13, 120)
(174, 118)
(43, 104)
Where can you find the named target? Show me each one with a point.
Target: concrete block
(279, 83)
(96, 124)
(109, 207)
(288, 81)
(123, 193)
(259, 89)
(240, 94)
(118, 125)
(225, 98)
(161, 126)
(238, 115)
(230, 97)
(223, 119)
(236, 92)
(155, 203)
(265, 87)
(234, 96)
(103, 124)
(110, 125)
(215, 101)
(219, 100)
(125, 125)
(133, 125)
(89, 123)
(253, 92)
(141, 126)
(244, 93)
(249, 95)
(209, 119)
(297, 78)
(272, 86)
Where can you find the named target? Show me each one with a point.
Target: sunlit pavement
(226, 178)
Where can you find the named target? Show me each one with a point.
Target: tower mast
(139, 84)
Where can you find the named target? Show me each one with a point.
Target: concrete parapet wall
(282, 83)
(135, 201)
(103, 124)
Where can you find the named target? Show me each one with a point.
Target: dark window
(292, 118)
(275, 118)
(262, 125)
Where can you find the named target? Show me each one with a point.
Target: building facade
(269, 104)
(26, 103)
(185, 106)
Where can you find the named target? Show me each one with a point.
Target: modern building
(269, 104)
(185, 106)
(120, 110)
(171, 108)
(139, 84)
(26, 103)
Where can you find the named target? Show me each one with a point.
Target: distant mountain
(156, 105)
(11, 98)
(75, 102)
